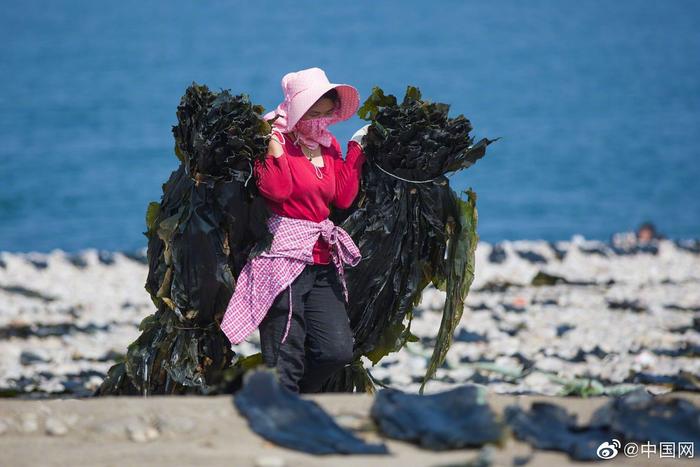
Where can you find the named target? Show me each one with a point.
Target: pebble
(270, 461)
(55, 427)
(29, 423)
(174, 424)
(141, 432)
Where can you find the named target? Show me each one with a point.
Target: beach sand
(190, 430)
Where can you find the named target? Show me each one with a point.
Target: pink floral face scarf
(313, 132)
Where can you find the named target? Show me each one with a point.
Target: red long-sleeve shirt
(291, 188)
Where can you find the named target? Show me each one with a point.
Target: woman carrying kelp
(411, 229)
(409, 226)
(295, 290)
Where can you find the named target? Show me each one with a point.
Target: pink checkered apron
(266, 275)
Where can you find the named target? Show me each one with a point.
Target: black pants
(319, 341)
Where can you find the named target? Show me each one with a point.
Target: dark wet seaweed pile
(452, 419)
(461, 417)
(410, 226)
(283, 417)
(633, 417)
(199, 237)
(416, 139)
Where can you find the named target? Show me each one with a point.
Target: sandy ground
(190, 430)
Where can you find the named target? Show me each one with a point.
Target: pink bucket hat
(302, 89)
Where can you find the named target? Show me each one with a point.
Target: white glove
(359, 134)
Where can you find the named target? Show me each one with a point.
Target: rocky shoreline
(576, 317)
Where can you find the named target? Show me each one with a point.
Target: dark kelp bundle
(199, 237)
(550, 427)
(640, 417)
(410, 226)
(282, 417)
(637, 417)
(453, 419)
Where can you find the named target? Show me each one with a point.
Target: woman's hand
(359, 134)
(274, 147)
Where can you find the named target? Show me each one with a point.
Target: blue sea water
(597, 103)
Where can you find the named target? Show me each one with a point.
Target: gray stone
(55, 427)
(270, 461)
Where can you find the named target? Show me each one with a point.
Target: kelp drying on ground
(634, 417)
(453, 419)
(284, 418)
(410, 226)
(462, 417)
